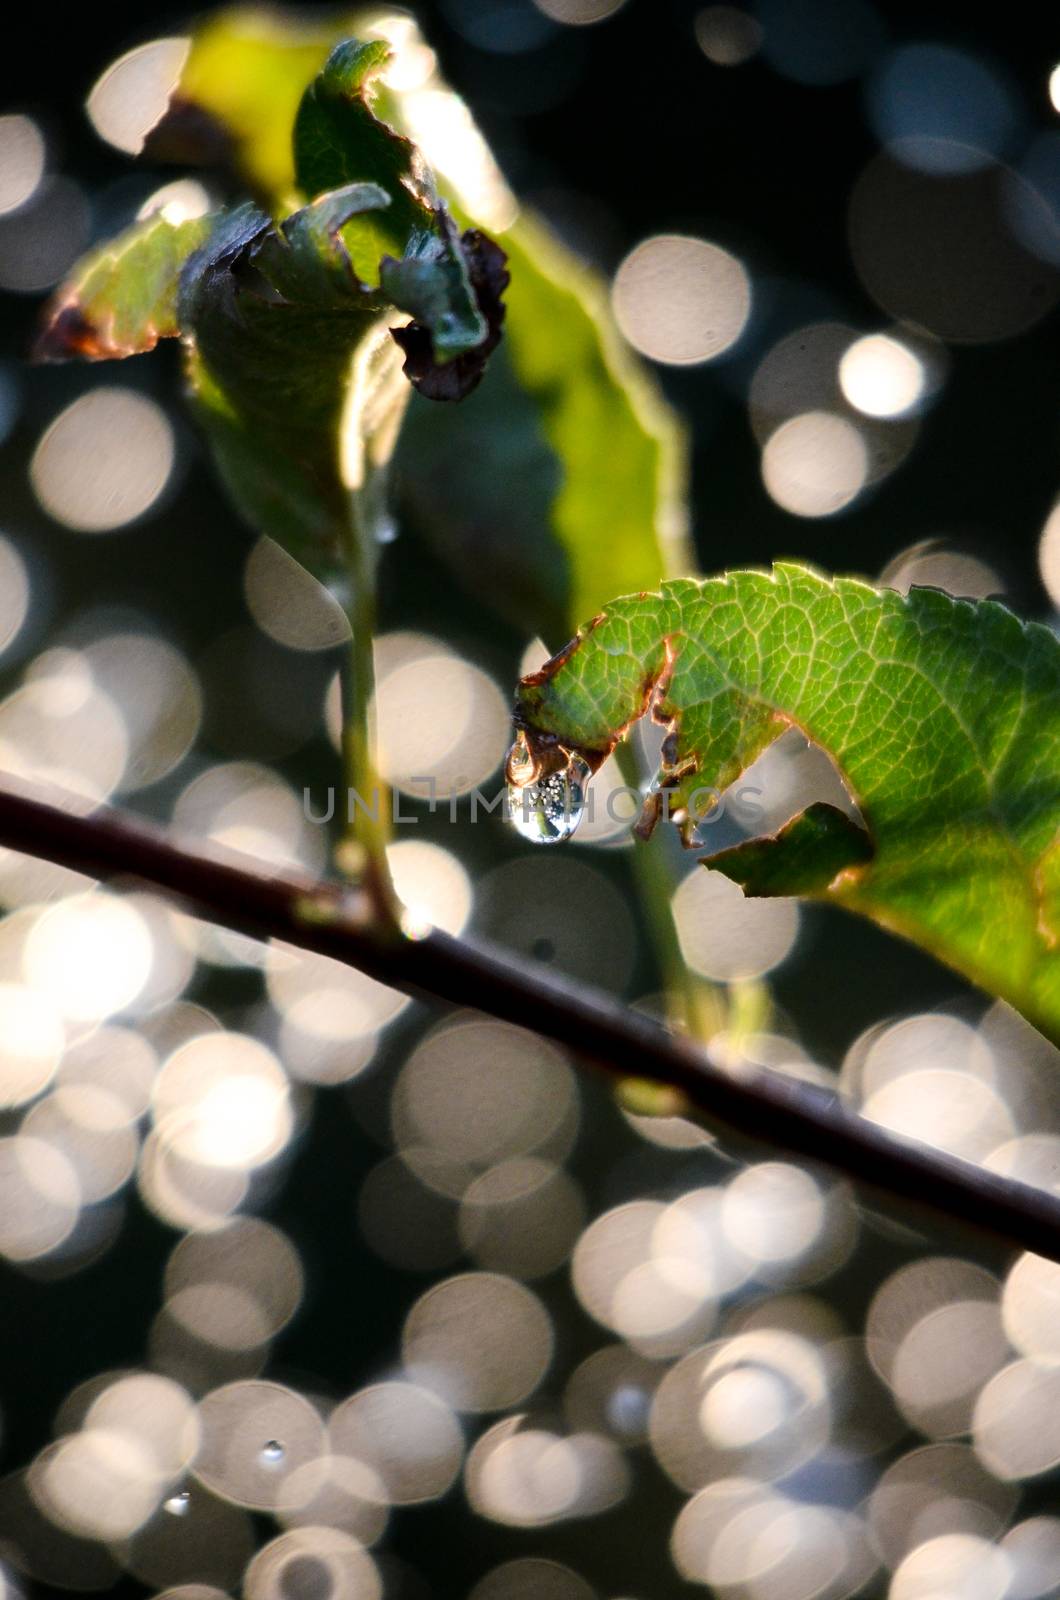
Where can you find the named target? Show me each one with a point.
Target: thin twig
(765, 1107)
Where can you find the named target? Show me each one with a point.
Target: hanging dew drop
(178, 1505)
(273, 1453)
(549, 809)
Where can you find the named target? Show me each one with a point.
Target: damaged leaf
(276, 317)
(413, 289)
(562, 479)
(804, 857)
(123, 298)
(339, 139)
(291, 316)
(412, 250)
(942, 717)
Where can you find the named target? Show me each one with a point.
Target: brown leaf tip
(68, 335)
(487, 270)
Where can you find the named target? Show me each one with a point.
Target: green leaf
(296, 109)
(239, 93)
(411, 248)
(340, 139)
(123, 298)
(293, 356)
(942, 717)
(563, 479)
(804, 857)
(281, 331)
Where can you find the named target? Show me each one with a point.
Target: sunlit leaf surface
(239, 93)
(123, 298)
(942, 717)
(293, 327)
(565, 415)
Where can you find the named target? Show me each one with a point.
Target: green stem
(372, 417)
(366, 832)
(686, 1000)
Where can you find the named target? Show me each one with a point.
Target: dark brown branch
(767, 1107)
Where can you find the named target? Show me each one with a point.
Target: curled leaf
(566, 412)
(286, 313)
(421, 341)
(340, 138)
(451, 286)
(275, 317)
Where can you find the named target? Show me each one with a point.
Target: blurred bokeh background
(402, 1301)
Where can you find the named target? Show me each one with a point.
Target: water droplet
(627, 1408)
(273, 1452)
(178, 1505)
(386, 529)
(548, 810)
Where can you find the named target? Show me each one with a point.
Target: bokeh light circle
(104, 461)
(681, 300)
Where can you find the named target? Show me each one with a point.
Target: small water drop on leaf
(178, 1505)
